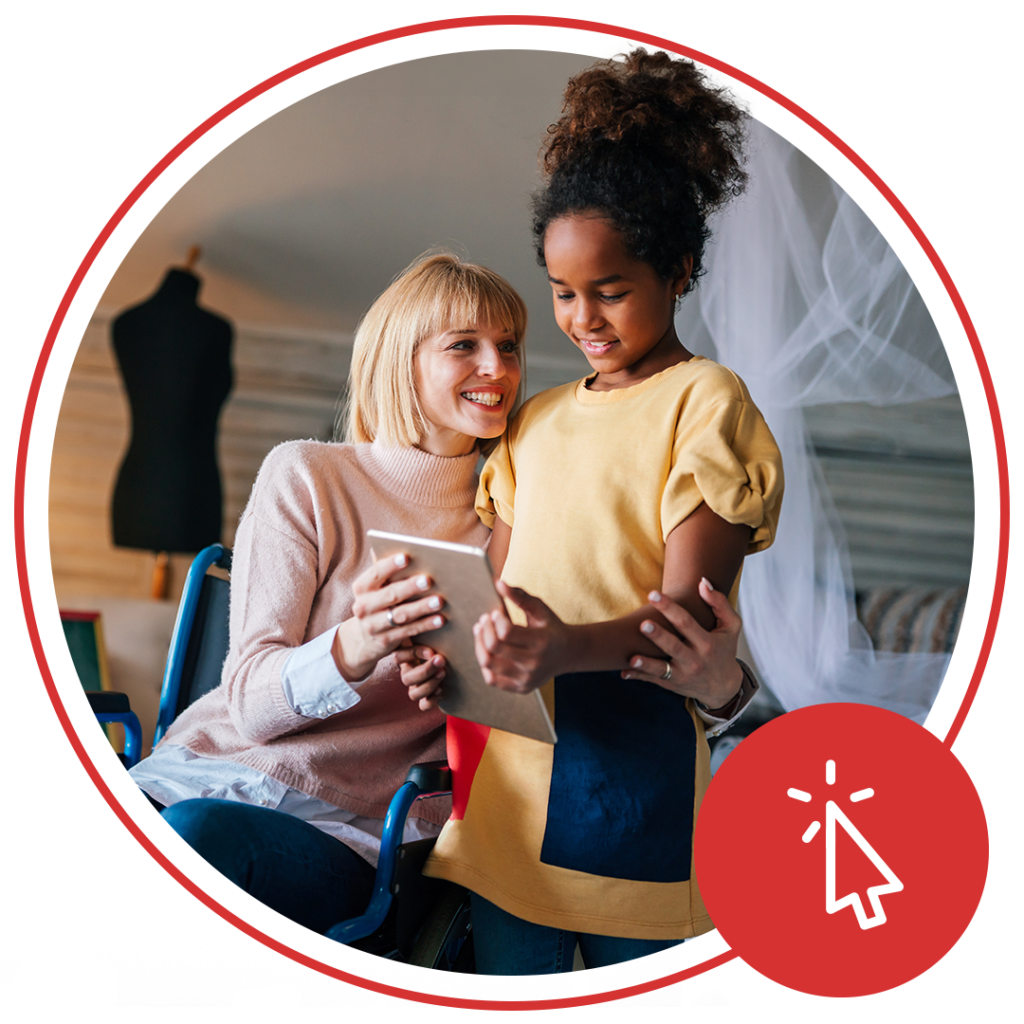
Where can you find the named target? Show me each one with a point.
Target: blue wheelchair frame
(422, 780)
(215, 554)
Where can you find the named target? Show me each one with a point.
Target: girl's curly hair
(647, 143)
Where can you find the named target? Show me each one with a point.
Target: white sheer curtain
(806, 301)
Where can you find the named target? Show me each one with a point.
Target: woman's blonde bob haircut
(436, 293)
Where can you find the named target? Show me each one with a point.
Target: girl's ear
(679, 282)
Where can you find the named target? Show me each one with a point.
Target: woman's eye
(510, 347)
(564, 296)
(460, 346)
(612, 298)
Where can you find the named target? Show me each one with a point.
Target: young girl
(650, 479)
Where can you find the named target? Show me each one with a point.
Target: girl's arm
(521, 658)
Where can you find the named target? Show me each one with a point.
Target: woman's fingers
(698, 663)
(399, 610)
(380, 598)
(686, 624)
(393, 635)
(373, 576)
(650, 670)
(408, 611)
(671, 644)
(728, 617)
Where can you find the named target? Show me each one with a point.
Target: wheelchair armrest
(108, 702)
(431, 777)
(110, 706)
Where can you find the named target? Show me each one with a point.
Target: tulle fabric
(806, 301)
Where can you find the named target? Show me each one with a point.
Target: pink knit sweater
(300, 543)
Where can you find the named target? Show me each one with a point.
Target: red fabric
(466, 742)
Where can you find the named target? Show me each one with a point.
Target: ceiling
(306, 218)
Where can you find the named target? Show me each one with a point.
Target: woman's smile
(485, 396)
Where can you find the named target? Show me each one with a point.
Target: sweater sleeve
(274, 579)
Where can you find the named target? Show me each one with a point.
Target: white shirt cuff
(716, 726)
(312, 684)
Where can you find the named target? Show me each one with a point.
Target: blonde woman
(311, 729)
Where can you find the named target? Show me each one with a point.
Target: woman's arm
(274, 584)
(521, 658)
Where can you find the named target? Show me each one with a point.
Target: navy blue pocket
(621, 797)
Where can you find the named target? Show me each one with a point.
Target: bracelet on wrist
(731, 706)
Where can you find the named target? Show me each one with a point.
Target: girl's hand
(701, 663)
(384, 614)
(520, 658)
(422, 671)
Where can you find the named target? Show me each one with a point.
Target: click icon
(836, 817)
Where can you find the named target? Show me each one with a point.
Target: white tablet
(462, 575)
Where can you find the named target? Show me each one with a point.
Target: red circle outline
(202, 129)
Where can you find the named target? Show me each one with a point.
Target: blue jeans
(505, 944)
(282, 861)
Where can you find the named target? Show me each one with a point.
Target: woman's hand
(701, 663)
(520, 658)
(385, 613)
(422, 671)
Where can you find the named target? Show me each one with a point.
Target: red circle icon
(841, 850)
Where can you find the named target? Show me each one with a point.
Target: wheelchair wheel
(445, 942)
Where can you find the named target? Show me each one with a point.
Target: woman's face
(466, 379)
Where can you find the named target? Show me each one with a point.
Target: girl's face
(466, 379)
(614, 308)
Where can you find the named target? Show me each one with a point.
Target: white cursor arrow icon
(834, 815)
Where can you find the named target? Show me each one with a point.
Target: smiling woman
(311, 729)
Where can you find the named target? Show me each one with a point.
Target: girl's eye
(569, 296)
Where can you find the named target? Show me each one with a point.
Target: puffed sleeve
(725, 456)
(496, 492)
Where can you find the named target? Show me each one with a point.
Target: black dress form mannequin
(175, 358)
